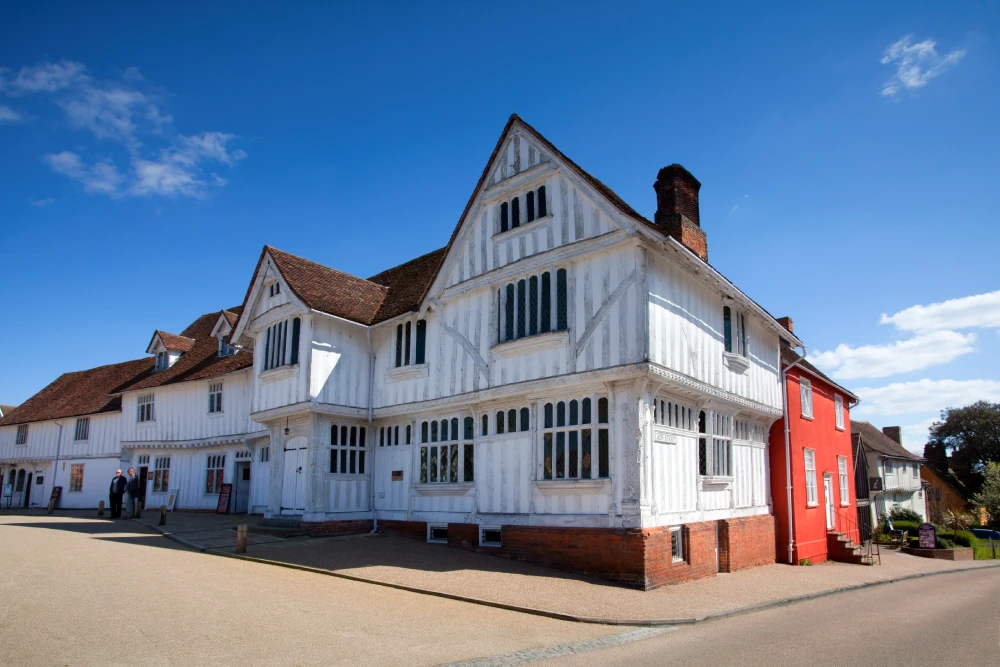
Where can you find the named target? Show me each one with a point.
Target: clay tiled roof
(173, 342)
(877, 441)
(80, 393)
(407, 284)
(788, 356)
(202, 360)
(6, 409)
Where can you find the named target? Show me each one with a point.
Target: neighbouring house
(893, 471)
(66, 435)
(812, 466)
(6, 409)
(943, 491)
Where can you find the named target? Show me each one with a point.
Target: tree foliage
(989, 494)
(972, 435)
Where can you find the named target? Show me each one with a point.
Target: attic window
(274, 289)
(510, 211)
(225, 349)
(162, 360)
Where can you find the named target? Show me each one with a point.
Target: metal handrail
(844, 523)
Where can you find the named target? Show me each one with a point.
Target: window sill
(812, 506)
(410, 372)
(572, 487)
(537, 343)
(840, 428)
(808, 417)
(737, 363)
(715, 482)
(213, 415)
(279, 373)
(442, 488)
(345, 476)
(526, 228)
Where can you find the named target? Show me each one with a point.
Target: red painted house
(812, 469)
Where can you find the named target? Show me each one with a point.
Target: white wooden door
(828, 494)
(293, 487)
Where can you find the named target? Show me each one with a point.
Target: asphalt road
(948, 620)
(93, 592)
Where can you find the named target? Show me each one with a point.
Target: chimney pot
(894, 432)
(677, 211)
(787, 323)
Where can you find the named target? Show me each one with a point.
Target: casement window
(161, 474)
(842, 471)
(447, 454)
(162, 361)
(82, 431)
(144, 408)
(715, 445)
(676, 544)
(734, 326)
(76, 477)
(810, 459)
(21, 438)
(570, 434)
(265, 454)
(532, 305)
(535, 206)
(669, 413)
(216, 470)
(512, 421)
(889, 473)
(215, 397)
(274, 289)
(278, 349)
(225, 349)
(390, 436)
(347, 449)
(838, 407)
(411, 342)
(806, 396)
(143, 460)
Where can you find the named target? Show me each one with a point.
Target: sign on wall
(928, 536)
(874, 483)
(227, 491)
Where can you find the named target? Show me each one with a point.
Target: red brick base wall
(324, 528)
(638, 558)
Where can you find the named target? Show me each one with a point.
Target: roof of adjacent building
(173, 342)
(79, 393)
(202, 360)
(878, 442)
(789, 356)
(6, 409)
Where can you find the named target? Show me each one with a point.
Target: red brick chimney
(677, 208)
(787, 323)
(894, 432)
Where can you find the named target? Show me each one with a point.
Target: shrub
(805, 561)
(902, 514)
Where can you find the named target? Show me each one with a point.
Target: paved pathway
(415, 564)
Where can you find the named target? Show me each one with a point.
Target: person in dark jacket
(118, 484)
(133, 494)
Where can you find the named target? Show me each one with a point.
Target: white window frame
(667, 412)
(225, 348)
(430, 532)
(842, 468)
(215, 398)
(838, 402)
(806, 397)
(145, 408)
(143, 460)
(349, 450)
(677, 544)
(161, 474)
(812, 499)
(21, 438)
(215, 469)
(501, 424)
(549, 429)
(889, 470)
(265, 453)
(715, 445)
(82, 431)
(441, 458)
(73, 486)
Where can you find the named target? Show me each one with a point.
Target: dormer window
(162, 360)
(225, 349)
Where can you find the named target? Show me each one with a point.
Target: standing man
(118, 484)
(133, 494)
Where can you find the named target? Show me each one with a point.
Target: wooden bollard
(52, 505)
(163, 515)
(241, 538)
(100, 508)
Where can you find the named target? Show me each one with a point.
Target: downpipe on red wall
(788, 454)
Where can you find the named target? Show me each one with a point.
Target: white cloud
(113, 113)
(979, 311)
(915, 436)
(875, 361)
(101, 177)
(901, 398)
(916, 64)
(45, 78)
(41, 203)
(9, 116)
(178, 171)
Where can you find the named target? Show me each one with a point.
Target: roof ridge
(324, 266)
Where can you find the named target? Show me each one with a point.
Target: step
(284, 522)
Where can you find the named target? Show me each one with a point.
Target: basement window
(676, 544)
(489, 536)
(437, 533)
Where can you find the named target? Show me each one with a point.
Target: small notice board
(224, 495)
(56, 495)
(928, 536)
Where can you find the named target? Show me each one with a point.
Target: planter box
(958, 553)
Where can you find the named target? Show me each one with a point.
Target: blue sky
(847, 155)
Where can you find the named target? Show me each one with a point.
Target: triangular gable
(162, 340)
(224, 325)
(264, 270)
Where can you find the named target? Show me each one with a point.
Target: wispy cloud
(127, 113)
(9, 116)
(916, 64)
(915, 436)
(41, 203)
(901, 398)
(876, 361)
(981, 311)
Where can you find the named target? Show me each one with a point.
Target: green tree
(989, 494)
(972, 435)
